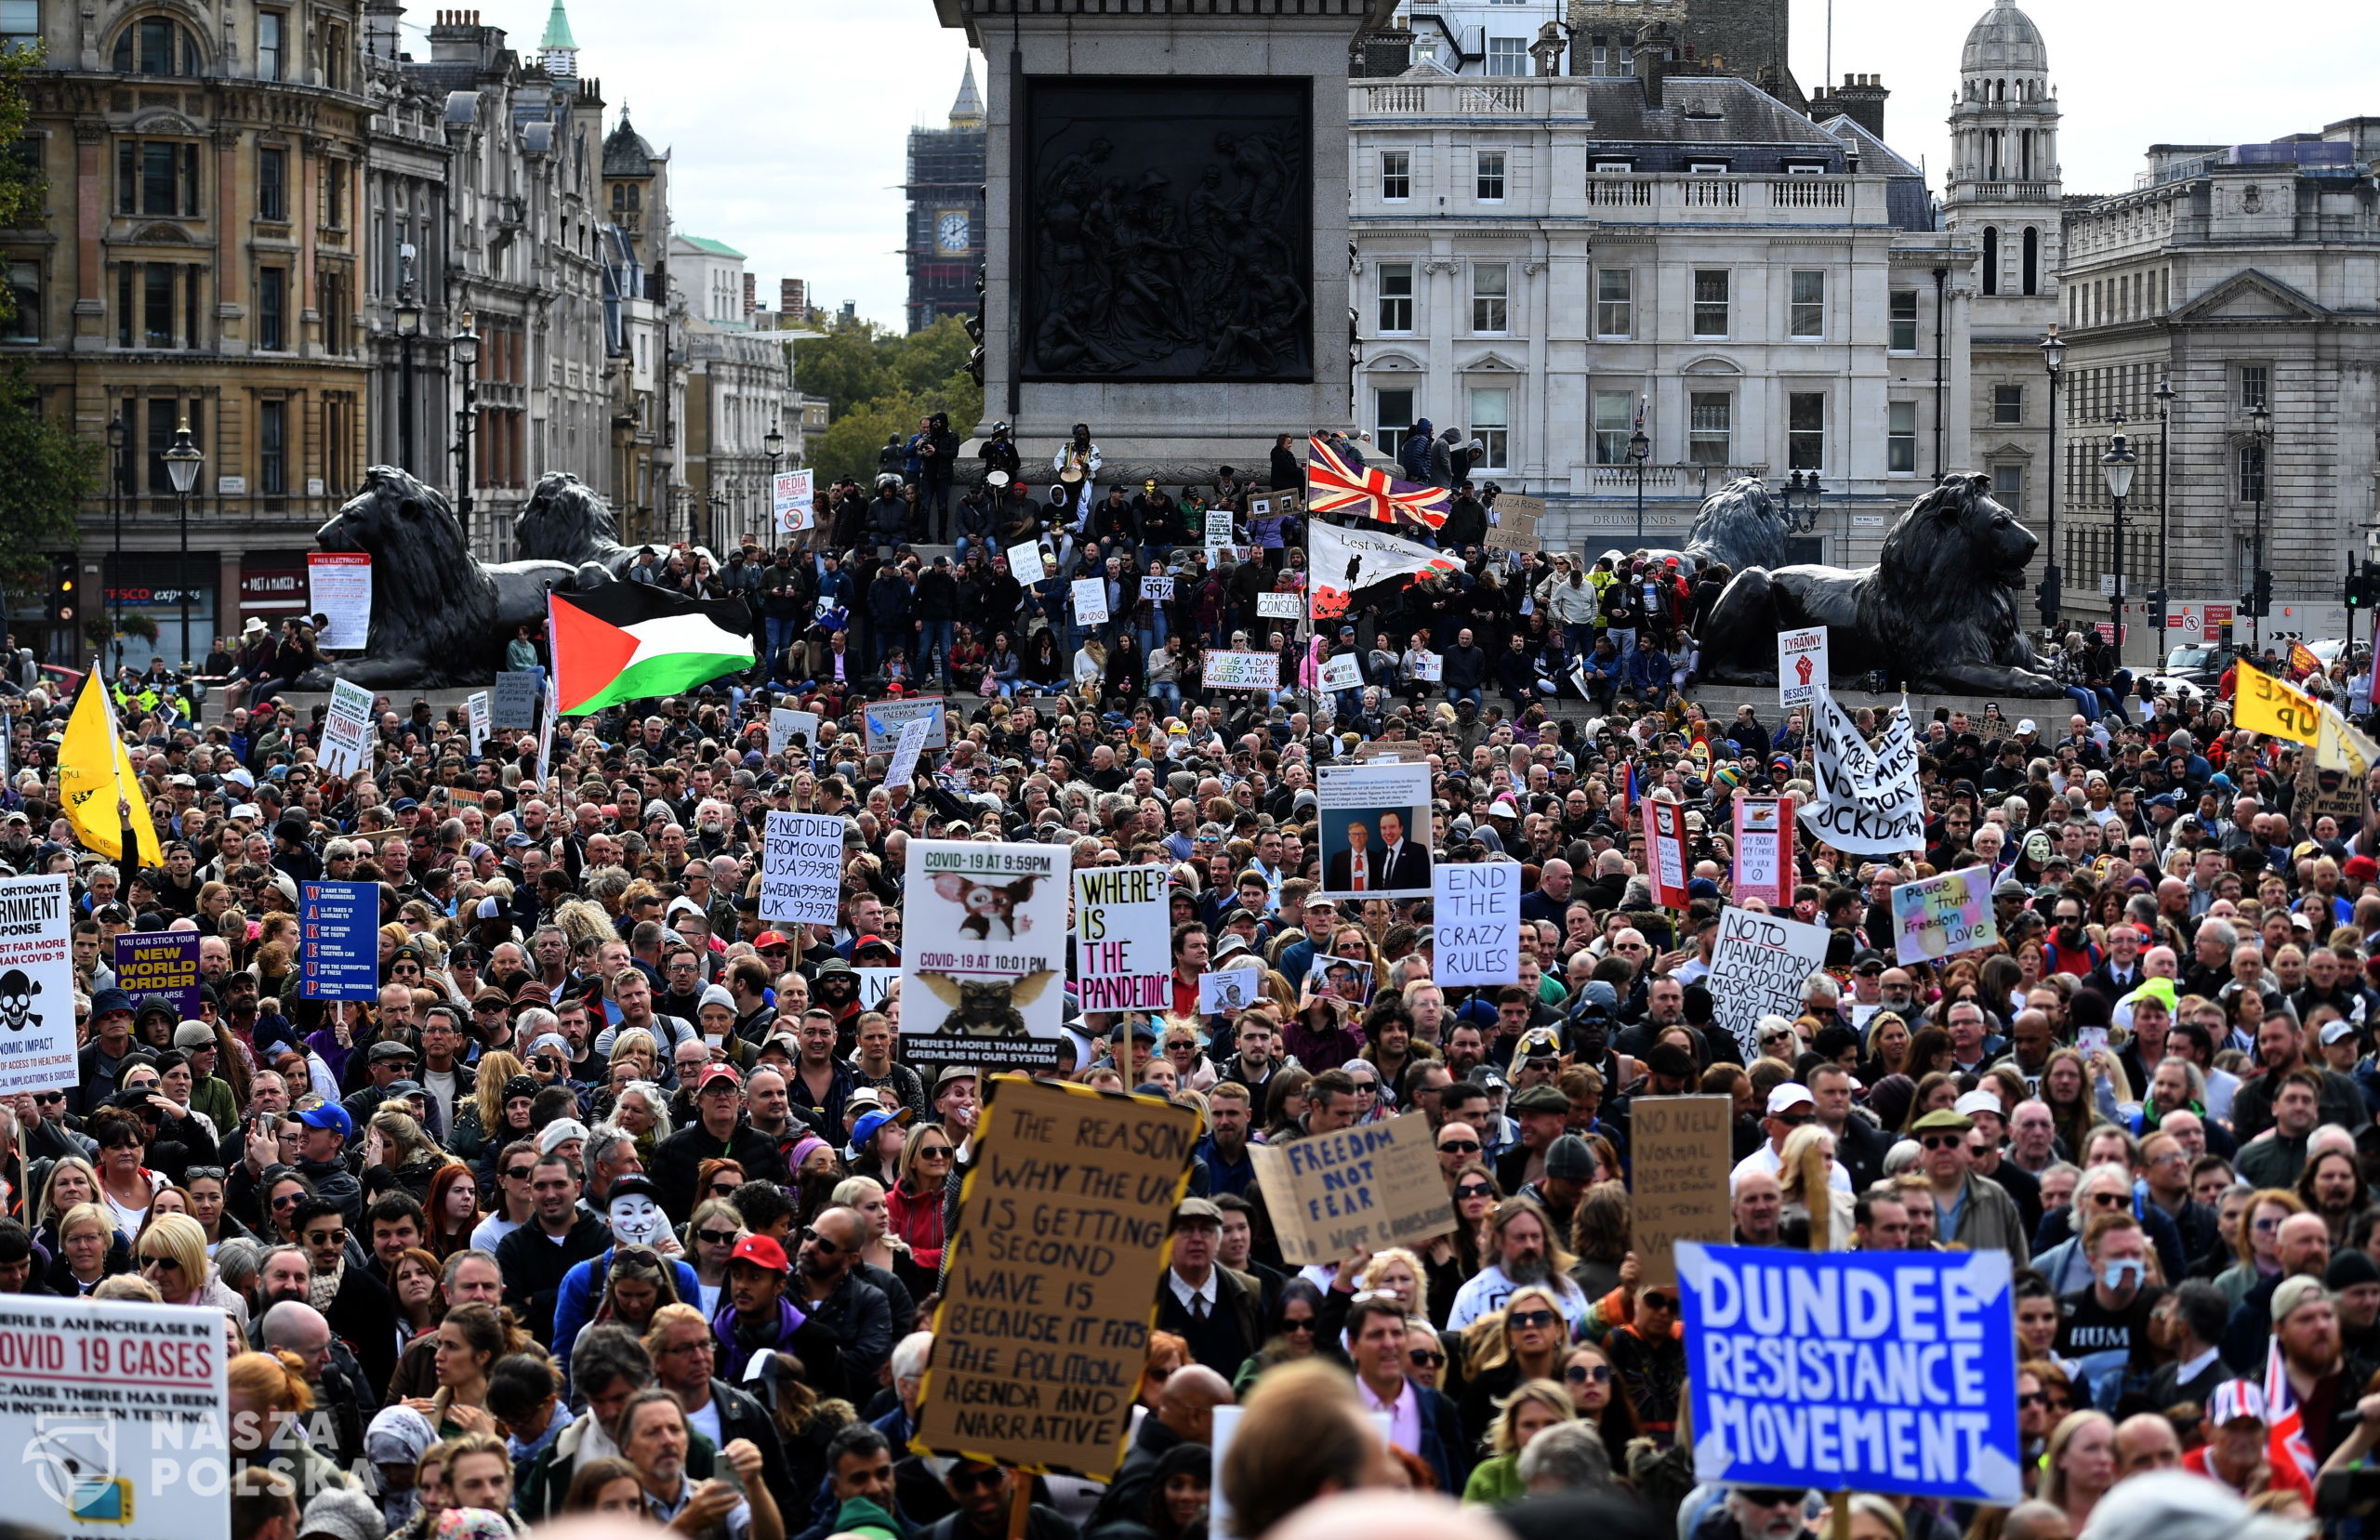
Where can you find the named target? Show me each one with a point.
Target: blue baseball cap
(329, 1115)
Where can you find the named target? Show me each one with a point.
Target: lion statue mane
(565, 521)
(1937, 613)
(1740, 526)
(440, 616)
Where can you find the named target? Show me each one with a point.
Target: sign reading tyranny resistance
(983, 954)
(159, 962)
(1044, 1322)
(1123, 945)
(1868, 801)
(1942, 916)
(1887, 1371)
(36, 985)
(1758, 968)
(1361, 1188)
(802, 868)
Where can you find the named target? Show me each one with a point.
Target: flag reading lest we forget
(1049, 1284)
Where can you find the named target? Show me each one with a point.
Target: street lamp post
(2164, 394)
(774, 445)
(118, 435)
(464, 347)
(2054, 359)
(408, 328)
(1802, 501)
(2260, 580)
(1639, 447)
(2117, 464)
(181, 465)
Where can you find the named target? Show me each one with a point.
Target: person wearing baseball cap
(2239, 1444)
(1791, 1106)
(720, 1129)
(756, 1317)
(99, 1065)
(320, 1150)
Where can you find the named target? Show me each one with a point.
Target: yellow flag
(2267, 705)
(2341, 747)
(94, 771)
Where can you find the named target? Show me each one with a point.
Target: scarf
(323, 1287)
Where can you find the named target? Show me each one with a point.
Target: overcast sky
(790, 118)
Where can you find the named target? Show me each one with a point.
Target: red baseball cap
(772, 938)
(762, 1252)
(865, 942)
(717, 1071)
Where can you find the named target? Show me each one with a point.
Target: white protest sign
(1228, 990)
(1801, 666)
(479, 711)
(904, 768)
(1430, 667)
(1280, 606)
(1123, 938)
(1157, 589)
(1341, 672)
(1090, 601)
(791, 504)
(546, 733)
(785, 724)
(1758, 968)
(347, 730)
(802, 868)
(36, 985)
(119, 1408)
(1868, 802)
(1025, 563)
(1219, 527)
(339, 588)
(516, 699)
(875, 985)
(1227, 670)
(1478, 909)
(1763, 864)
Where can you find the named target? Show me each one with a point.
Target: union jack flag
(2284, 1417)
(1334, 486)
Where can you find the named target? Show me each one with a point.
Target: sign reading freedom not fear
(1049, 1291)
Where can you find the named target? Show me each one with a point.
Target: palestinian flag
(630, 641)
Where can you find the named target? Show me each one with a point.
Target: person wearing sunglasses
(984, 1493)
(1973, 1211)
(1588, 1377)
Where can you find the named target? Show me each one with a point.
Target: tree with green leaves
(880, 383)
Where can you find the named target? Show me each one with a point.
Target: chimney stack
(1652, 50)
(1862, 100)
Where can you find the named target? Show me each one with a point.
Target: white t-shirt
(492, 1232)
(441, 1091)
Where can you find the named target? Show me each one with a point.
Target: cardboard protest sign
(2325, 792)
(37, 985)
(802, 868)
(1757, 969)
(1374, 830)
(1511, 505)
(1874, 1371)
(1665, 852)
(1801, 666)
(1869, 802)
(983, 954)
(1361, 1188)
(478, 715)
(792, 499)
(1123, 938)
(1049, 1280)
(1090, 601)
(786, 722)
(1025, 565)
(1683, 1150)
(1228, 990)
(1477, 905)
(120, 1407)
(1159, 588)
(904, 768)
(159, 962)
(1280, 606)
(1218, 531)
(1341, 672)
(1227, 670)
(347, 730)
(1514, 530)
(1943, 917)
(1764, 850)
(881, 722)
(516, 699)
(338, 930)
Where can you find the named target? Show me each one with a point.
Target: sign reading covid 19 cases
(36, 985)
(1886, 1371)
(338, 932)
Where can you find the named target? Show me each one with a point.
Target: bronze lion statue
(565, 521)
(1740, 526)
(1937, 613)
(440, 616)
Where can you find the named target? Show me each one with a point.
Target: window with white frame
(1508, 55)
(1491, 423)
(1491, 181)
(1615, 422)
(1904, 321)
(1805, 430)
(1709, 427)
(2008, 487)
(2255, 387)
(1490, 288)
(1396, 296)
(1809, 307)
(2252, 473)
(1707, 168)
(1392, 417)
(1615, 168)
(1615, 302)
(1396, 176)
(1901, 437)
(1710, 302)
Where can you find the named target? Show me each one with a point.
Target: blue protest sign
(339, 955)
(1889, 1372)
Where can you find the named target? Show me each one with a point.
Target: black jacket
(1226, 1337)
(533, 1264)
(678, 1159)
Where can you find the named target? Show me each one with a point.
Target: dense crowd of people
(619, 1201)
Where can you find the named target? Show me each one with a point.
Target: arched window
(2033, 260)
(619, 196)
(156, 46)
(2000, 90)
(1991, 259)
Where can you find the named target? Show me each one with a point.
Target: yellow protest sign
(2267, 705)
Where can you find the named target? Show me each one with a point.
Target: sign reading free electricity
(1867, 1371)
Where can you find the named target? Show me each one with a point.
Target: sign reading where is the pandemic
(983, 954)
(1889, 1371)
(1123, 943)
(36, 985)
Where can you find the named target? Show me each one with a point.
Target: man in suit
(1202, 1302)
(1420, 1421)
(1404, 864)
(1359, 858)
(2119, 972)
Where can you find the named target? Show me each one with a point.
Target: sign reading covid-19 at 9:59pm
(1891, 1371)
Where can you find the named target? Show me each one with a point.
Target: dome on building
(2005, 41)
(626, 153)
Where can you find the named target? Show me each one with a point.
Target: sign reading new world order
(1864, 1371)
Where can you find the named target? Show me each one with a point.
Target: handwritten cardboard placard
(1049, 1283)
(1360, 1188)
(1683, 1154)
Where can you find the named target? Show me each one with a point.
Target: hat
(767, 939)
(714, 1073)
(110, 1002)
(1956, 1123)
(1866, 959)
(1980, 1102)
(1195, 1211)
(866, 1128)
(865, 943)
(1230, 945)
(398, 1089)
(2294, 1291)
(329, 1115)
(561, 1131)
(1669, 1061)
(1538, 1043)
(835, 965)
(398, 1435)
(1785, 1098)
(2024, 727)
(194, 1034)
(2360, 869)
(350, 1513)
(386, 1049)
(2159, 990)
(2336, 1031)
(552, 1040)
(1569, 1159)
(633, 1185)
(1538, 1098)
(953, 1071)
(762, 1250)
(2239, 1399)
(2350, 1266)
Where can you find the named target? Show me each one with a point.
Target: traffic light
(2157, 609)
(2357, 595)
(61, 589)
(2260, 595)
(2048, 592)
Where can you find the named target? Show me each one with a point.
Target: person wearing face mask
(2106, 1323)
(633, 1209)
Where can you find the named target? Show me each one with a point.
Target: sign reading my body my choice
(1891, 1371)
(339, 925)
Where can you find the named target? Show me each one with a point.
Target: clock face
(952, 231)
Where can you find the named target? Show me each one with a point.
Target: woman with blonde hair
(1805, 1146)
(1506, 1348)
(2080, 1465)
(710, 1238)
(171, 1252)
(1534, 1406)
